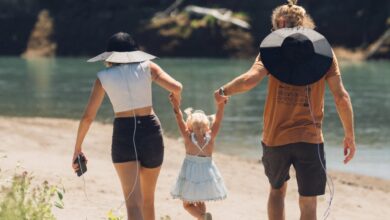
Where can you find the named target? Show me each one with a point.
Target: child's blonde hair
(293, 15)
(198, 120)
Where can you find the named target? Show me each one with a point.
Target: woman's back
(128, 86)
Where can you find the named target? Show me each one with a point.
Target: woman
(137, 144)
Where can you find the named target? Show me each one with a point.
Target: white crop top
(128, 86)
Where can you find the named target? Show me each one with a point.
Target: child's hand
(220, 106)
(220, 99)
(174, 100)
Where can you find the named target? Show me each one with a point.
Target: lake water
(60, 88)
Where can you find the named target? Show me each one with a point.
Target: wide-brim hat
(122, 48)
(296, 56)
(123, 57)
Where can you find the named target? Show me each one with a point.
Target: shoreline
(44, 146)
(172, 137)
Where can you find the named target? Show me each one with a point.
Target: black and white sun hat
(296, 56)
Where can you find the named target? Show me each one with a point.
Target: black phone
(81, 161)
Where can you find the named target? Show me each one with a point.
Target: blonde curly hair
(292, 15)
(198, 121)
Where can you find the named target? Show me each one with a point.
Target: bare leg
(127, 172)
(308, 206)
(202, 206)
(276, 203)
(194, 210)
(148, 187)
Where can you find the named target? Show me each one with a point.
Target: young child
(199, 179)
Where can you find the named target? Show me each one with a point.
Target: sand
(45, 147)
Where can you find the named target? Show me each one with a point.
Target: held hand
(349, 149)
(220, 99)
(177, 96)
(175, 100)
(75, 166)
(222, 104)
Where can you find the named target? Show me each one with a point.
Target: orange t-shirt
(287, 117)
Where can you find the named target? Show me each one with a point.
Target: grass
(19, 199)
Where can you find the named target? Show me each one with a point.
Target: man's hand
(349, 148)
(220, 99)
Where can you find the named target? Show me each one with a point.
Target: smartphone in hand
(81, 161)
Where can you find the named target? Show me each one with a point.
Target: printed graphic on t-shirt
(292, 95)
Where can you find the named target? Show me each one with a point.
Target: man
(293, 113)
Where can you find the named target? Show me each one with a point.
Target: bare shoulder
(98, 84)
(258, 67)
(154, 68)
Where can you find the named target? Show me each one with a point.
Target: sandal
(207, 216)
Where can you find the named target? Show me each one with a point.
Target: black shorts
(311, 176)
(148, 140)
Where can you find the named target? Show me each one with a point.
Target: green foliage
(21, 200)
(112, 216)
(242, 15)
(210, 20)
(167, 217)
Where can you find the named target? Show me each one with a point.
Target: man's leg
(308, 207)
(276, 203)
(277, 162)
(309, 165)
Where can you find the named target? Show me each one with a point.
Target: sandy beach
(45, 146)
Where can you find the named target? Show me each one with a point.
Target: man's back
(288, 115)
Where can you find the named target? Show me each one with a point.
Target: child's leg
(202, 206)
(193, 209)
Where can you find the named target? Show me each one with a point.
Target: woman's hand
(95, 100)
(75, 166)
(175, 100)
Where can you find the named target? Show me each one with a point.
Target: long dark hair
(121, 42)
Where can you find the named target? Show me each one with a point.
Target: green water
(60, 88)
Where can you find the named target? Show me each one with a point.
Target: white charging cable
(135, 151)
(328, 183)
(136, 160)
(136, 177)
(84, 182)
(82, 176)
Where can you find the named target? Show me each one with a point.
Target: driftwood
(167, 12)
(220, 14)
(382, 42)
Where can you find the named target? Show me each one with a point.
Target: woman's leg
(148, 187)
(127, 173)
(193, 209)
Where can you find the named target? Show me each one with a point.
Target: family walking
(298, 63)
